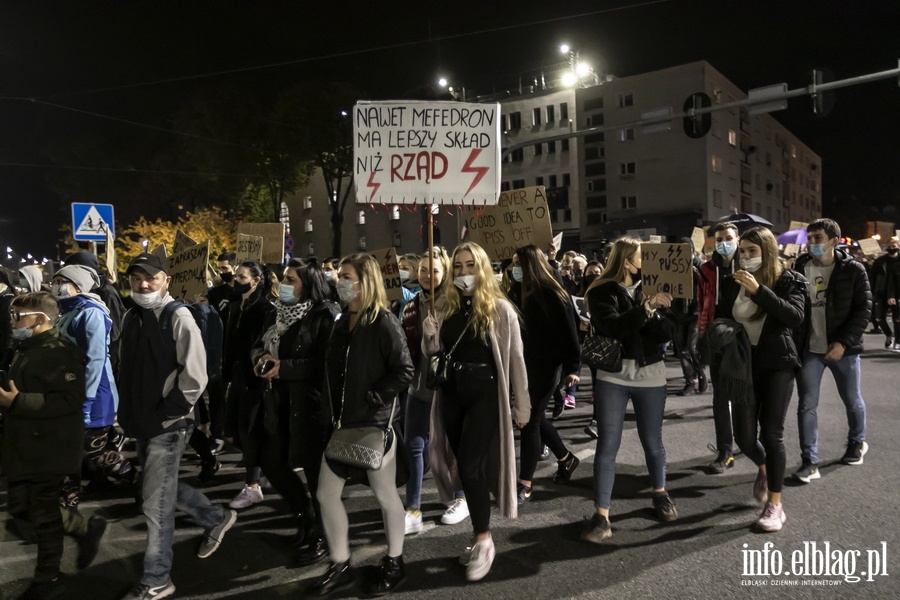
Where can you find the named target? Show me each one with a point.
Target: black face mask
(241, 288)
(589, 279)
(892, 251)
(226, 277)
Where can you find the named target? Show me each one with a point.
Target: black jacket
(785, 306)
(548, 330)
(848, 303)
(616, 315)
(301, 373)
(246, 322)
(365, 370)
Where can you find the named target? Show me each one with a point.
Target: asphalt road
(703, 554)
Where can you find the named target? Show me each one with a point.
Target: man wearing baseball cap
(156, 407)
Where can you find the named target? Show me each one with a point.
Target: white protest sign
(557, 241)
(273, 239)
(188, 272)
(870, 247)
(390, 272)
(667, 268)
(249, 247)
(698, 237)
(520, 218)
(407, 152)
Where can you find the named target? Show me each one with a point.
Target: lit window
(716, 164)
(309, 226)
(395, 213)
(732, 137)
(307, 202)
(361, 220)
(536, 116)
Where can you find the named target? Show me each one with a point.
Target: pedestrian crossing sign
(90, 222)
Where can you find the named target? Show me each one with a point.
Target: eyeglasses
(17, 316)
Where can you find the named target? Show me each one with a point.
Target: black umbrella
(745, 220)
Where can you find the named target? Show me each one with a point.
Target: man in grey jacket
(162, 375)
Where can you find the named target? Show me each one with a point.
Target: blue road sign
(90, 221)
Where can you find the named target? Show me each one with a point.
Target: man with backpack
(163, 373)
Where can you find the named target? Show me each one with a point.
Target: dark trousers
(722, 419)
(883, 314)
(273, 451)
(471, 414)
(772, 391)
(215, 389)
(542, 382)
(686, 337)
(38, 501)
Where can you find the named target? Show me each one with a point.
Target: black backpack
(210, 324)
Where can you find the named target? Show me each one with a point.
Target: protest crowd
(323, 377)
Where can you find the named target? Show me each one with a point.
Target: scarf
(285, 316)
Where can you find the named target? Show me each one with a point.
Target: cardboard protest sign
(521, 217)
(656, 239)
(407, 152)
(188, 271)
(869, 246)
(797, 225)
(698, 237)
(667, 268)
(182, 241)
(792, 250)
(111, 254)
(390, 271)
(249, 247)
(160, 251)
(273, 239)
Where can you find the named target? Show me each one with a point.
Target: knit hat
(84, 278)
(83, 257)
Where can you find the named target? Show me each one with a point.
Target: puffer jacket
(848, 303)
(365, 370)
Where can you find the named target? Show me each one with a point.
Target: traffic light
(698, 125)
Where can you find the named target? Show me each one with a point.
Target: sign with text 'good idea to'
(667, 268)
(520, 218)
(407, 152)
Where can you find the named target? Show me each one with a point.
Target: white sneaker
(772, 518)
(247, 497)
(480, 560)
(895, 347)
(457, 513)
(413, 522)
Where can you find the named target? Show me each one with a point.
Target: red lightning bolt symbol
(480, 172)
(373, 185)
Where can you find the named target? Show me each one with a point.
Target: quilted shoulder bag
(602, 352)
(360, 447)
(439, 365)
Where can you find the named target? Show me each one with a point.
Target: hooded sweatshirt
(85, 321)
(33, 277)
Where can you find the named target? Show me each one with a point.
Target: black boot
(702, 381)
(391, 573)
(89, 543)
(315, 552)
(687, 390)
(337, 577)
(305, 534)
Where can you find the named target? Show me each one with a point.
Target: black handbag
(601, 352)
(360, 447)
(439, 365)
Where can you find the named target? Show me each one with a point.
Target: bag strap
(459, 339)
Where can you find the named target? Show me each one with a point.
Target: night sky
(81, 54)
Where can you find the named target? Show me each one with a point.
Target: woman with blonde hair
(769, 307)
(620, 311)
(473, 411)
(367, 364)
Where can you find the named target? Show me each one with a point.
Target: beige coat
(506, 343)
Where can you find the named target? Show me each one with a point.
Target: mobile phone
(266, 366)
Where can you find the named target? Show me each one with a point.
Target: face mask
(725, 249)
(286, 294)
(60, 291)
(465, 282)
(751, 265)
(149, 300)
(517, 274)
(816, 250)
(589, 279)
(226, 277)
(241, 288)
(345, 291)
(404, 275)
(21, 333)
(892, 251)
(329, 275)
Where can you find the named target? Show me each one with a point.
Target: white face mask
(21, 333)
(404, 275)
(751, 265)
(60, 290)
(286, 294)
(517, 274)
(345, 291)
(465, 282)
(149, 300)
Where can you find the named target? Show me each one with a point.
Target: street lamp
(442, 82)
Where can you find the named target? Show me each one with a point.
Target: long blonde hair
(372, 295)
(487, 291)
(622, 250)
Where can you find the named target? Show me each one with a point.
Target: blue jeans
(846, 376)
(609, 410)
(418, 422)
(162, 493)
